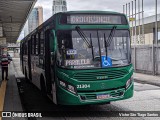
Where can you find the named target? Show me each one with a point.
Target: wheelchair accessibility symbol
(106, 62)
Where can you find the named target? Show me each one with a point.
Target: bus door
(53, 45)
(52, 54)
(48, 70)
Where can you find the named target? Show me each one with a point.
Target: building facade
(25, 29)
(35, 18)
(59, 6)
(146, 35)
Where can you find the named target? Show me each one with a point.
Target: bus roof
(93, 11)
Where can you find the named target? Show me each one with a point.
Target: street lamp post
(132, 25)
(135, 24)
(139, 22)
(143, 36)
(156, 26)
(126, 10)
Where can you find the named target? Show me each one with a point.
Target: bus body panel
(95, 87)
(66, 98)
(69, 76)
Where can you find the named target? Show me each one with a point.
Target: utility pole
(139, 22)
(129, 10)
(132, 24)
(156, 40)
(156, 25)
(135, 23)
(143, 36)
(126, 10)
(135, 43)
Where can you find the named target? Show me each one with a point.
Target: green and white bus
(80, 57)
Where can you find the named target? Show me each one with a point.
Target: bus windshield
(75, 53)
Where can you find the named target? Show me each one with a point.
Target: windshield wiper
(83, 36)
(92, 46)
(110, 38)
(111, 35)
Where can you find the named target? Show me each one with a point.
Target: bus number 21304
(83, 86)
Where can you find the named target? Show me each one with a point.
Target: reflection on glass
(74, 53)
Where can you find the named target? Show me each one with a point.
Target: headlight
(67, 86)
(63, 84)
(71, 89)
(128, 83)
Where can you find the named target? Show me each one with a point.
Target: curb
(146, 82)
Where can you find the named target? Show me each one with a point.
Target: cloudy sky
(108, 5)
(113, 5)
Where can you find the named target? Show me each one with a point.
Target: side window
(41, 50)
(42, 43)
(52, 42)
(25, 48)
(37, 44)
(32, 45)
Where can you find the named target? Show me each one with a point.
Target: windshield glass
(74, 52)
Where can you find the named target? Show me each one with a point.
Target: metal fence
(146, 59)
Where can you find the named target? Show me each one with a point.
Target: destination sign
(77, 62)
(93, 19)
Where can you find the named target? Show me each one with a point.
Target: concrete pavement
(147, 79)
(9, 95)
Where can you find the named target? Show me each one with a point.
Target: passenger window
(25, 49)
(37, 44)
(32, 45)
(42, 43)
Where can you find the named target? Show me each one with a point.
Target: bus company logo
(101, 77)
(103, 85)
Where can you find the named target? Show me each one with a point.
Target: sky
(106, 5)
(111, 5)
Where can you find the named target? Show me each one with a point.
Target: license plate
(103, 96)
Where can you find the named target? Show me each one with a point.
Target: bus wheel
(42, 84)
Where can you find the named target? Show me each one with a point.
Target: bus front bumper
(65, 97)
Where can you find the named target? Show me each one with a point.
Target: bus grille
(113, 94)
(102, 75)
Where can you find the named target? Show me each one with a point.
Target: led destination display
(93, 19)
